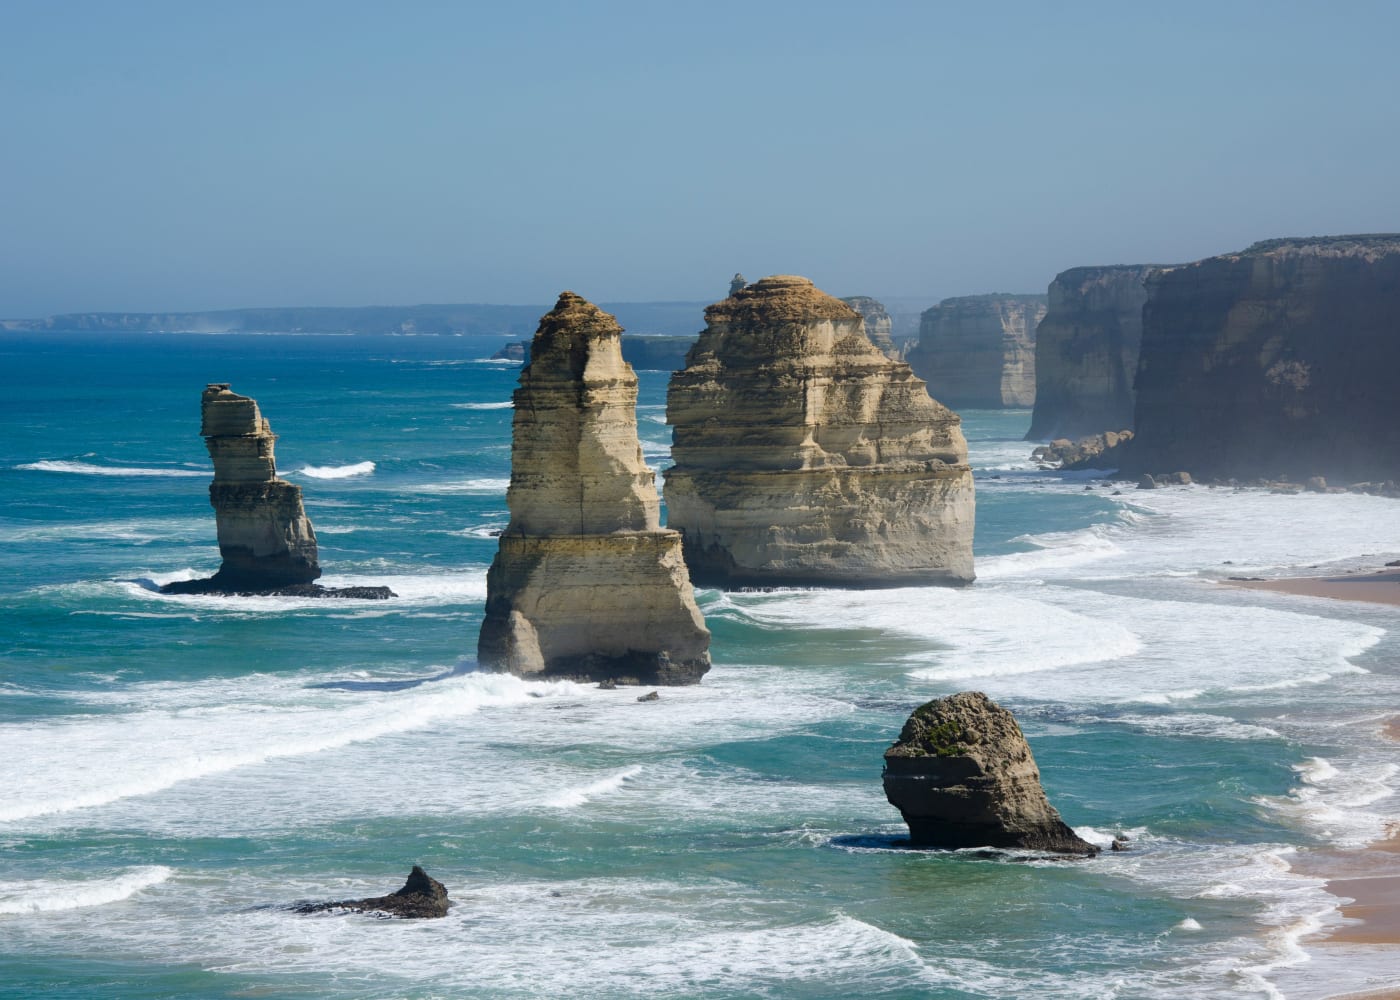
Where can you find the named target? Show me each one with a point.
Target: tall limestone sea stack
(879, 327)
(978, 351)
(265, 538)
(1275, 362)
(804, 456)
(586, 584)
(1086, 352)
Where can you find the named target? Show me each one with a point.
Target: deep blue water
(177, 770)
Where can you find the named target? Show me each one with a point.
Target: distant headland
(466, 319)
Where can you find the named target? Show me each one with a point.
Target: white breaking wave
(337, 471)
(86, 762)
(88, 469)
(571, 797)
(465, 486)
(50, 895)
(483, 406)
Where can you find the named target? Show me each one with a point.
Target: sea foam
(337, 471)
(88, 469)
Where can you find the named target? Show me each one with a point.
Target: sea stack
(1277, 362)
(1086, 352)
(586, 584)
(978, 351)
(265, 537)
(805, 457)
(879, 327)
(962, 775)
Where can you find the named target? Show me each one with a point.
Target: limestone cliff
(1278, 361)
(962, 775)
(586, 584)
(804, 456)
(879, 327)
(978, 351)
(1086, 351)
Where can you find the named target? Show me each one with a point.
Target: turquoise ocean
(176, 771)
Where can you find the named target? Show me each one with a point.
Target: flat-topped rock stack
(804, 456)
(1277, 362)
(265, 538)
(1086, 351)
(978, 351)
(586, 584)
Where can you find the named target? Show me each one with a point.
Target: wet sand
(1371, 879)
(1379, 587)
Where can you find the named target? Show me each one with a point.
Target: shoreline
(1380, 586)
(1370, 879)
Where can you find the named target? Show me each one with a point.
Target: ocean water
(176, 771)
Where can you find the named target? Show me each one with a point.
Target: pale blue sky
(202, 155)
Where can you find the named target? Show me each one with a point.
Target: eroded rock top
(779, 298)
(1368, 245)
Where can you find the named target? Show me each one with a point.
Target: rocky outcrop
(962, 775)
(1097, 451)
(422, 897)
(1086, 351)
(804, 456)
(265, 538)
(879, 327)
(978, 351)
(1276, 362)
(586, 584)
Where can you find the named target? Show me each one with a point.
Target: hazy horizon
(172, 158)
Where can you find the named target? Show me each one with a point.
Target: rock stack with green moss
(962, 775)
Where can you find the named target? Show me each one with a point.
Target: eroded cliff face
(879, 327)
(804, 456)
(978, 351)
(1275, 362)
(265, 537)
(1086, 351)
(586, 584)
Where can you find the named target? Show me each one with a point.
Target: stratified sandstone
(1086, 351)
(422, 897)
(586, 584)
(804, 456)
(978, 351)
(879, 327)
(1276, 362)
(962, 775)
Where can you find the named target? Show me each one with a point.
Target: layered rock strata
(265, 538)
(962, 775)
(804, 456)
(422, 897)
(978, 351)
(586, 584)
(1275, 362)
(879, 327)
(1086, 351)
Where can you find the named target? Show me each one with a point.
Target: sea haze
(178, 770)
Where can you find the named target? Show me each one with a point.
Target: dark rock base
(422, 897)
(227, 588)
(633, 670)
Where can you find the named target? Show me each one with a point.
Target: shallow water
(178, 769)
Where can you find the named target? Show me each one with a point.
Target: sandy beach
(1371, 880)
(1379, 587)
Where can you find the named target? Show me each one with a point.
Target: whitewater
(179, 770)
